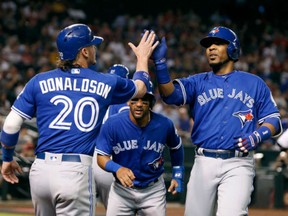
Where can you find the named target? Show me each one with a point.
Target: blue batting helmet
(73, 38)
(228, 36)
(151, 95)
(120, 70)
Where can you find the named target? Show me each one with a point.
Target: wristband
(143, 76)
(9, 139)
(7, 154)
(178, 172)
(263, 133)
(178, 176)
(111, 166)
(160, 63)
(162, 73)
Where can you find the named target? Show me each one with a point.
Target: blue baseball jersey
(114, 109)
(139, 149)
(70, 106)
(225, 106)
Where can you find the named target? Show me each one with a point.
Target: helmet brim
(96, 40)
(208, 41)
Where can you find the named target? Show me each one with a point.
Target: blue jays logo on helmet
(226, 35)
(120, 70)
(244, 116)
(73, 38)
(157, 163)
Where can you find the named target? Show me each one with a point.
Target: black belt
(65, 157)
(142, 186)
(223, 154)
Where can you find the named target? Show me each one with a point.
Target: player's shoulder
(162, 119)
(116, 118)
(198, 76)
(248, 76)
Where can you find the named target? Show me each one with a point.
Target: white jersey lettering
(218, 93)
(157, 147)
(68, 84)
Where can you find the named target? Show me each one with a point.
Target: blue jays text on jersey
(225, 105)
(133, 144)
(73, 102)
(139, 149)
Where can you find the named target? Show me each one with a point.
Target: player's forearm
(142, 64)
(274, 124)
(177, 156)
(102, 160)
(107, 164)
(166, 89)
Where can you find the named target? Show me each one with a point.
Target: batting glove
(178, 176)
(250, 142)
(160, 52)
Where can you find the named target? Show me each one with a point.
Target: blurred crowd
(28, 30)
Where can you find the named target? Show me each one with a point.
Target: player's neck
(223, 68)
(141, 122)
(80, 63)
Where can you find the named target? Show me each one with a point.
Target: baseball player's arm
(123, 174)
(168, 92)
(9, 138)
(268, 128)
(177, 161)
(283, 140)
(143, 52)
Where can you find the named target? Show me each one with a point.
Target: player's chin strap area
(219, 153)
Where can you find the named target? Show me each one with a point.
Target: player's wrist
(162, 73)
(143, 76)
(7, 154)
(111, 166)
(262, 133)
(178, 176)
(178, 172)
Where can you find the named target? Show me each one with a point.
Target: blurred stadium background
(27, 46)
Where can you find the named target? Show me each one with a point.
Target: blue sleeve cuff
(9, 139)
(7, 154)
(177, 156)
(162, 73)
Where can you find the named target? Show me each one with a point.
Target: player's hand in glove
(160, 52)
(250, 142)
(177, 182)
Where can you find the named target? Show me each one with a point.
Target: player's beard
(217, 66)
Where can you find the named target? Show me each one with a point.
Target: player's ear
(85, 51)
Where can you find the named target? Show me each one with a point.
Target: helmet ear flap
(233, 51)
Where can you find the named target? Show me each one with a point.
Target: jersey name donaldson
(70, 84)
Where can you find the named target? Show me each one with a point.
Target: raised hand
(160, 53)
(144, 49)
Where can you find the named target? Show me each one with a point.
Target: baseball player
(104, 179)
(227, 106)
(69, 103)
(136, 141)
(283, 140)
